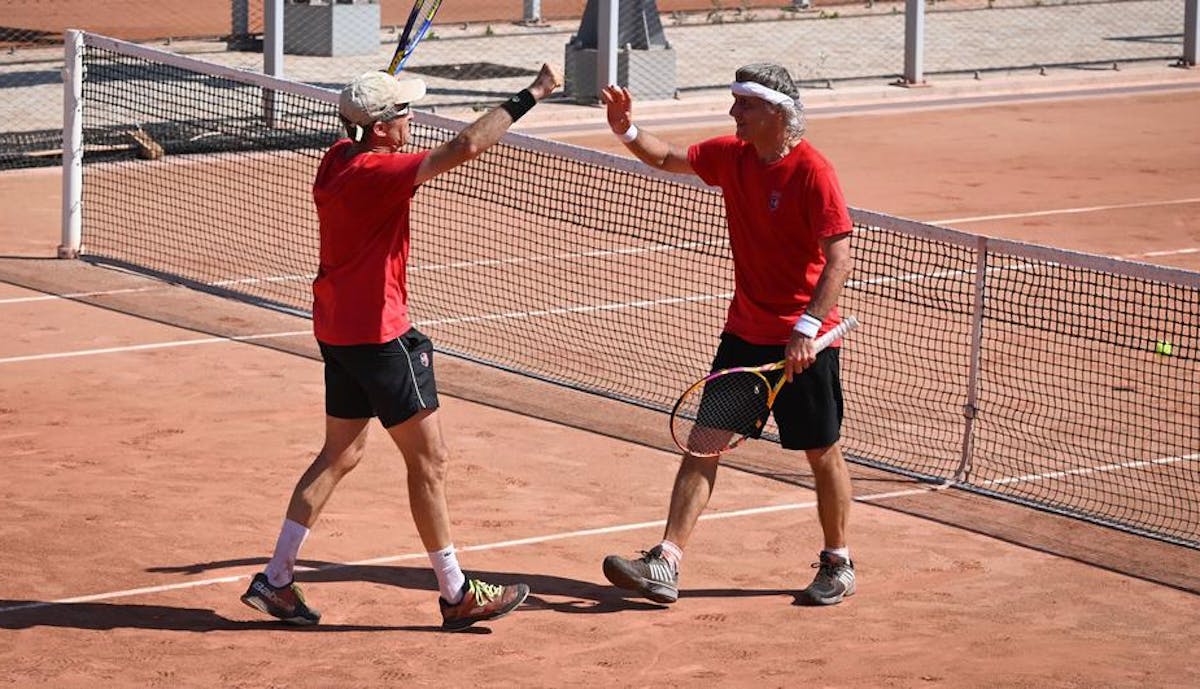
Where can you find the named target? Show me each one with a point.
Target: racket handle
(848, 323)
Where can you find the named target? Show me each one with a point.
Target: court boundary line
(496, 545)
(151, 346)
(1064, 211)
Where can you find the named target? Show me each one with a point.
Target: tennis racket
(724, 408)
(422, 11)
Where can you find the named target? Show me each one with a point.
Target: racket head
(423, 12)
(721, 410)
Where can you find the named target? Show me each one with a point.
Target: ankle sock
(449, 575)
(843, 552)
(282, 567)
(672, 553)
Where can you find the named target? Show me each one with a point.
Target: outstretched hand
(619, 103)
(545, 82)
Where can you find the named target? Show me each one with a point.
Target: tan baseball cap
(374, 96)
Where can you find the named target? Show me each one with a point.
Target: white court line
(1050, 475)
(79, 295)
(152, 345)
(1063, 211)
(751, 511)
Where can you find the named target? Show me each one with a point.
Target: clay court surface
(146, 483)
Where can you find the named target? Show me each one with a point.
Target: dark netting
(580, 269)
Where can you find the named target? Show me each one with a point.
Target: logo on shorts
(773, 201)
(425, 359)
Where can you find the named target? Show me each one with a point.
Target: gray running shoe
(650, 575)
(834, 581)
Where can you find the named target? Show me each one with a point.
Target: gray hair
(777, 78)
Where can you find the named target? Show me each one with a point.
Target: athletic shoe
(283, 602)
(481, 601)
(650, 575)
(834, 580)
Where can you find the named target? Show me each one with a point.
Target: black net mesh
(575, 268)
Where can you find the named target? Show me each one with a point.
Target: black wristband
(521, 103)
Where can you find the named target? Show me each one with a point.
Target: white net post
(914, 42)
(72, 150)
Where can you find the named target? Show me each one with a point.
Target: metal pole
(1191, 27)
(533, 12)
(914, 42)
(239, 30)
(272, 53)
(606, 44)
(273, 37)
(72, 169)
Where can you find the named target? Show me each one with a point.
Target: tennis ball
(1163, 347)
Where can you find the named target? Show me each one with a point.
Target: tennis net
(1018, 371)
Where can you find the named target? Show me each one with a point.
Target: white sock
(449, 575)
(282, 567)
(843, 552)
(671, 553)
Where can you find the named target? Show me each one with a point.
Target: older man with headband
(377, 365)
(789, 233)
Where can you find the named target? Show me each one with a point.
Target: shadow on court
(549, 593)
(108, 616)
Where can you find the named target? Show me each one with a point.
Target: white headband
(757, 90)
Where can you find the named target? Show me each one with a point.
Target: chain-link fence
(479, 52)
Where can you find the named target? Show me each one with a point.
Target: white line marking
(1137, 464)
(152, 345)
(614, 306)
(1154, 254)
(77, 295)
(751, 511)
(1063, 211)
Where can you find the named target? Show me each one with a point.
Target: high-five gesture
(619, 102)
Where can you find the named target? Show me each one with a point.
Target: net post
(72, 150)
(970, 407)
(914, 42)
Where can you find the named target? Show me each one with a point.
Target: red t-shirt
(777, 213)
(360, 295)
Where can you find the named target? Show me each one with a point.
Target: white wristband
(808, 326)
(630, 134)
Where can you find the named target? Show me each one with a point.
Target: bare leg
(832, 478)
(420, 441)
(345, 440)
(693, 487)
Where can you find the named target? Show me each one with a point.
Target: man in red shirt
(376, 363)
(789, 233)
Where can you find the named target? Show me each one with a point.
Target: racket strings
(721, 412)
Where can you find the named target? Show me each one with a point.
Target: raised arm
(650, 149)
(484, 132)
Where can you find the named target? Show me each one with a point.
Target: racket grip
(848, 323)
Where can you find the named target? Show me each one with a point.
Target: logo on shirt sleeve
(424, 359)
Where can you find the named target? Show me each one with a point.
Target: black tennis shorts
(392, 381)
(808, 411)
